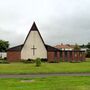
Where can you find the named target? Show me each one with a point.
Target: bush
(75, 61)
(28, 61)
(43, 60)
(38, 62)
(5, 58)
(3, 61)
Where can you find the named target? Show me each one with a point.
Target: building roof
(33, 28)
(19, 48)
(16, 48)
(50, 48)
(63, 46)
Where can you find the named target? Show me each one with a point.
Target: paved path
(41, 75)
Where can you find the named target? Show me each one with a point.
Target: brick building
(34, 47)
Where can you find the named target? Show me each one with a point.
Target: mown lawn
(48, 83)
(62, 67)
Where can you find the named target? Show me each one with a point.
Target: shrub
(3, 61)
(74, 61)
(38, 62)
(28, 61)
(5, 58)
(43, 60)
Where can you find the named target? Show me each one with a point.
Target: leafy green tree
(83, 46)
(3, 45)
(88, 49)
(76, 47)
(88, 45)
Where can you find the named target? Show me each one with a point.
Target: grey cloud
(66, 21)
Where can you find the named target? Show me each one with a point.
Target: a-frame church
(34, 47)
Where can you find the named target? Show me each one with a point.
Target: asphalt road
(41, 75)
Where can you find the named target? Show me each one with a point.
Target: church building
(34, 47)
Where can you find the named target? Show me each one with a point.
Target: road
(41, 75)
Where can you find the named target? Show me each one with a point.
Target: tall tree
(76, 47)
(88, 49)
(3, 45)
(83, 46)
(88, 45)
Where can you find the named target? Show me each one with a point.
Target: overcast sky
(59, 21)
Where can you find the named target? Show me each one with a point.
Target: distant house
(3, 54)
(64, 47)
(35, 47)
(84, 49)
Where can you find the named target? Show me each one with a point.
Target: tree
(76, 47)
(3, 45)
(88, 49)
(88, 45)
(83, 46)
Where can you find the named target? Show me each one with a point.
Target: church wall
(82, 56)
(74, 56)
(63, 55)
(50, 56)
(13, 56)
(58, 56)
(68, 53)
(40, 51)
(53, 56)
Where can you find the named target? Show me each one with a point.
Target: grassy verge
(62, 67)
(49, 83)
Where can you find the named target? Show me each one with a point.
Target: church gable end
(34, 46)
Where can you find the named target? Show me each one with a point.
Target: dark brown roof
(50, 48)
(16, 48)
(34, 27)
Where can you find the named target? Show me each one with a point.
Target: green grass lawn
(48, 83)
(62, 67)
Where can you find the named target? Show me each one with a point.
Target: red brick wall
(75, 56)
(84, 55)
(68, 56)
(63, 55)
(58, 56)
(50, 56)
(16, 56)
(13, 56)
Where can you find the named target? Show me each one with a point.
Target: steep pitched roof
(19, 47)
(34, 28)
